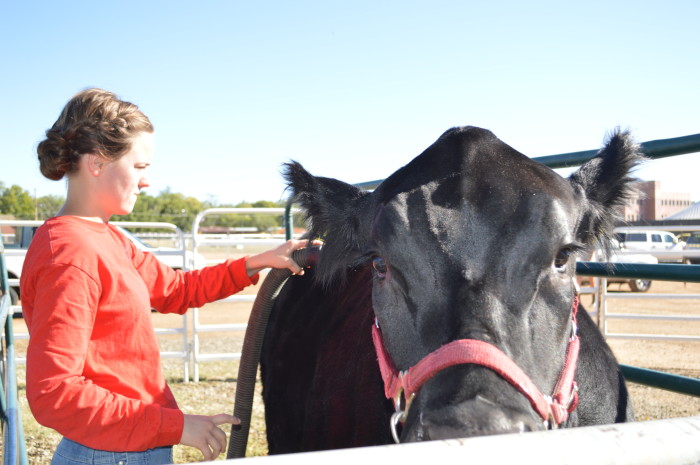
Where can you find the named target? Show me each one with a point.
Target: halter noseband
(403, 386)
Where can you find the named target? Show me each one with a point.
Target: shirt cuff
(172, 422)
(240, 273)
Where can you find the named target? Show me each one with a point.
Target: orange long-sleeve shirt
(93, 362)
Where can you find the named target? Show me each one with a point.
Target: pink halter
(403, 386)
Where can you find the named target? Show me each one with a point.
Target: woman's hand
(279, 257)
(203, 432)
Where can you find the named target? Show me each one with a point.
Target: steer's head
(470, 240)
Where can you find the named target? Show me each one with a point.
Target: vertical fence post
(288, 221)
(14, 446)
(603, 307)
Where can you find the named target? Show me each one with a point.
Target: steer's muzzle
(476, 417)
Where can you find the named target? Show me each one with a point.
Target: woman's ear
(94, 163)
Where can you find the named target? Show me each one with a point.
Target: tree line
(167, 206)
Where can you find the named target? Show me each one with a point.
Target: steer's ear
(607, 184)
(337, 214)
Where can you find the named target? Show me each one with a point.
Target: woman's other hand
(203, 432)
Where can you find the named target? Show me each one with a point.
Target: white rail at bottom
(671, 442)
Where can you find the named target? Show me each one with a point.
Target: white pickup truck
(18, 234)
(664, 245)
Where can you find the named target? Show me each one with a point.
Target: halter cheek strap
(402, 386)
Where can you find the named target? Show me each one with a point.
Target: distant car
(692, 243)
(651, 241)
(618, 256)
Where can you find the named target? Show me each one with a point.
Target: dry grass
(216, 390)
(213, 394)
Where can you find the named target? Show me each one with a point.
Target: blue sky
(353, 90)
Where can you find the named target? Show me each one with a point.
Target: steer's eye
(562, 259)
(380, 267)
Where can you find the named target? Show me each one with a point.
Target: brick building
(653, 204)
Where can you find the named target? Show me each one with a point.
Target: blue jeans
(69, 453)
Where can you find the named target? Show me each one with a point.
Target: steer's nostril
(523, 427)
(442, 431)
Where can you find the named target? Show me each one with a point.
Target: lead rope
(252, 345)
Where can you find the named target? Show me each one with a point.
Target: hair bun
(56, 156)
(93, 121)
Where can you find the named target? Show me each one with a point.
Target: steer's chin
(470, 419)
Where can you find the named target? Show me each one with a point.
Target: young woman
(93, 364)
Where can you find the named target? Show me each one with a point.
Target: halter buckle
(401, 406)
(574, 329)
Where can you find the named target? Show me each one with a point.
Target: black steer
(469, 249)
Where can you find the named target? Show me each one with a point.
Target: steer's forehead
(534, 203)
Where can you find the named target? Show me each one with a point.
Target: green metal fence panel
(660, 379)
(653, 149)
(663, 272)
(14, 448)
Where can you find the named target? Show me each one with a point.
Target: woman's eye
(562, 259)
(379, 267)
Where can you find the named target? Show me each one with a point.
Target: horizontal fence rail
(662, 380)
(664, 272)
(661, 442)
(654, 149)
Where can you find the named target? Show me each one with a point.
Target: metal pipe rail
(670, 382)
(662, 442)
(198, 240)
(654, 149)
(662, 272)
(605, 316)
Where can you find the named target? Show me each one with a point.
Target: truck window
(12, 237)
(18, 237)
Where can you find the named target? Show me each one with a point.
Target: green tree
(261, 222)
(17, 202)
(48, 206)
(167, 207)
(266, 222)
